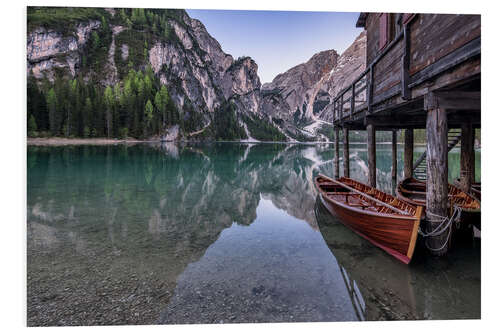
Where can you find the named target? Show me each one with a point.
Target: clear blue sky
(278, 40)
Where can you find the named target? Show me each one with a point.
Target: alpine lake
(221, 233)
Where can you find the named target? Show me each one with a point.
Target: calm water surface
(214, 233)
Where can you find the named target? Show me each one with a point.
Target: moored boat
(475, 189)
(413, 191)
(382, 219)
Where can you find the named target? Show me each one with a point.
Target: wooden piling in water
(336, 158)
(437, 173)
(394, 170)
(346, 152)
(467, 157)
(473, 157)
(372, 168)
(408, 153)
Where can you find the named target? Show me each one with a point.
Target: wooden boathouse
(422, 71)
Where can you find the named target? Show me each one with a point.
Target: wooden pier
(423, 71)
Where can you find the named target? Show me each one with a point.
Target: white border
(13, 302)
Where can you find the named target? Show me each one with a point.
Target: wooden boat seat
(394, 202)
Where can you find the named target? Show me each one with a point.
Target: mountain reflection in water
(201, 233)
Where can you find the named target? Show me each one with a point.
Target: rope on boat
(446, 223)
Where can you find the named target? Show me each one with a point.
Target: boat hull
(389, 234)
(395, 234)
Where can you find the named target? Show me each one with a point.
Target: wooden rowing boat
(475, 190)
(349, 250)
(382, 219)
(414, 191)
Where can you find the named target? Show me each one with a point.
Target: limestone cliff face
(242, 84)
(48, 49)
(206, 74)
(291, 94)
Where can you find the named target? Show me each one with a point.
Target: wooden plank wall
(435, 35)
(372, 32)
(387, 72)
(432, 36)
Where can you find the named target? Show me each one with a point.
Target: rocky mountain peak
(350, 65)
(290, 96)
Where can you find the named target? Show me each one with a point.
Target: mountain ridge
(120, 51)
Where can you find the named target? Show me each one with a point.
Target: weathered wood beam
(372, 168)
(469, 50)
(408, 153)
(336, 160)
(415, 104)
(394, 121)
(354, 126)
(437, 176)
(467, 157)
(459, 100)
(346, 152)
(419, 121)
(452, 94)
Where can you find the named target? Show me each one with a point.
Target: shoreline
(57, 141)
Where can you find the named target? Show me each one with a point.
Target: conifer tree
(148, 116)
(52, 106)
(31, 126)
(109, 100)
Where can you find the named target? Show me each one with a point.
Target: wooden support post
(437, 174)
(408, 153)
(394, 155)
(353, 99)
(336, 167)
(473, 155)
(346, 152)
(370, 90)
(341, 109)
(372, 167)
(466, 157)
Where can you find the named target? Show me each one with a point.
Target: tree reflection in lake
(130, 235)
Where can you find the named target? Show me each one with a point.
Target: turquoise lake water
(223, 232)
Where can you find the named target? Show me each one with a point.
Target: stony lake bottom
(220, 233)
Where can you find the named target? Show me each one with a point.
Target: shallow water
(226, 232)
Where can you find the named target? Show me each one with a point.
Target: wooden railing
(359, 94)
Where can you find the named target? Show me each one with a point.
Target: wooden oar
(367, 196)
